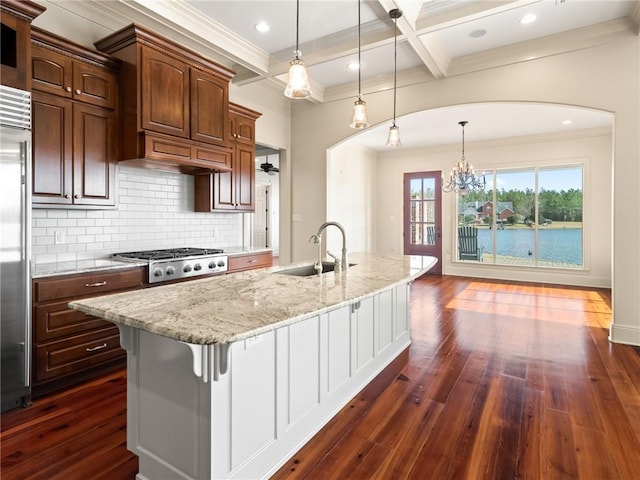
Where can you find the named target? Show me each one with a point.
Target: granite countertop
(41, 270)
(227, 308)
(107, 263)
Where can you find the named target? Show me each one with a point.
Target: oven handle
(97, 284)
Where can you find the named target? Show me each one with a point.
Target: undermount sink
(309, 270)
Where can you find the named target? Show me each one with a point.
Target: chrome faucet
(317, 239)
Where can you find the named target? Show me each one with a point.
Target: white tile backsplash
(154, 210)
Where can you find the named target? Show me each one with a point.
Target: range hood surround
(173, 109)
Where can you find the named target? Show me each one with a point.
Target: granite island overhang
(228, 308)
(229, 376)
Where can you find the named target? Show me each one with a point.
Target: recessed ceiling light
(567, 122)
(354, 65)
(262, 27)
(528, 18)
(480, 32)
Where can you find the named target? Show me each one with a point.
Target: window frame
(493, 171)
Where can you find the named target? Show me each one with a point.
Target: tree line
(563, 206)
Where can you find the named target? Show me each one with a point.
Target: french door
(423, 216)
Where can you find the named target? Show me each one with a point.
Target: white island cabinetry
(228, 376)
(278, 390)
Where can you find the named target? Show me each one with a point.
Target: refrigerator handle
(25, 151)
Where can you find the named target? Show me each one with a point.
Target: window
(531, 217)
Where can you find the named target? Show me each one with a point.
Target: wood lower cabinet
(74, 128)
(249, 261)
(233, 190)
(70, 346)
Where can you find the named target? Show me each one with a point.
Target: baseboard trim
(624, 334)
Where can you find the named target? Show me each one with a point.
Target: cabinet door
(52, 72)
(244, 129)
(209, 108)
(93, 155)
(223, 190)
(165, 94)
(52, 149)
(245, 172)
(94, 85)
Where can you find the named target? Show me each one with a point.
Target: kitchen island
(229, 376)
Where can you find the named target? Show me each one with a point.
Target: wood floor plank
(503, 380)
(561, 461)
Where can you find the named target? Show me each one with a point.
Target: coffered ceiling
(436, 38)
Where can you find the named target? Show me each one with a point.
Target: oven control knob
(212, 264)
(186, 269)
(221, 263)
(197, 267)
(170, 270)
(157, 272)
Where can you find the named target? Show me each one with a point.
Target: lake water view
(555, 245)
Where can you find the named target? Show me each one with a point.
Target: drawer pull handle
(99, 347)
(97, 284)
(252, 261)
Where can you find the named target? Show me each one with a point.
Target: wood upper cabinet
(174, 104)
(164, 91)
(15, 44)
(234, 190)
(61, 75)
(209, 107)
(73, 124)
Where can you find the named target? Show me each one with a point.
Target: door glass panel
(429, 235)
(429, 211)
(416, 235)
(429, 188)
(416, 189)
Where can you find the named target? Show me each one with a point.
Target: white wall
(605, 77)
(592, 147)
(351, 197)
(154, 210)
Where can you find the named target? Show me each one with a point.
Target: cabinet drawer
(55, 320)
(247, 262)
(86, 284)
(78, 353)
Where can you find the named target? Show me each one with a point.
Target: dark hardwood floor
(503, 380)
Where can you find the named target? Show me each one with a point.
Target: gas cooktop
(169, 253)
(178, 263)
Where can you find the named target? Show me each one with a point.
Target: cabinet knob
(66, 195)
(78, 91)
(68, 89)
(77, 195)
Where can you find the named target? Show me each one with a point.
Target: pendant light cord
(359, 62)
(395, 64)
(297, 27)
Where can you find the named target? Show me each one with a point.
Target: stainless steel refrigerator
(15, 246)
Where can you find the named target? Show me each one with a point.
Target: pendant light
(462, 178)
(359, 119)
(298, 83)
(394, 131)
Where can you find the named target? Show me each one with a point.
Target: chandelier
(462, 179)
